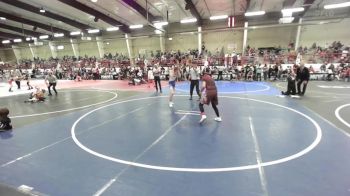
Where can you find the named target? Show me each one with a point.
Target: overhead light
(94, 1)
(107, 43)
(42, 10)
(257, 13)
(112, 28)
(337, 5)
(190, 20)
(158, 31)
(17, 40)
(170, 38)
(286, 20)
(43, 37)
(6, 41)
(28, 39)
(291, 10)
(160, 24)
(94, 31)
(135, 26)
(2, 18)
(218, 17)
(58, 35)
(88, 38)
(34, 38)
(75, 33)
(60, 47)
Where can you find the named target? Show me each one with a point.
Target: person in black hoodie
(5, 121)
(303, 77)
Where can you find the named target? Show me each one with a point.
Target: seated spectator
(311, 69)
(77, 78)
(134, 80)
(330, 75)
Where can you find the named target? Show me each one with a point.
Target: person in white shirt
(194, 78)
(18, 78)
(156, 74)
(51, 80)
(94, 72)
(259, 72)
(150, 77)
(220, 70)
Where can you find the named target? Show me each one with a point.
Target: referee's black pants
(194, 83)
(53, 87)
(299, 83)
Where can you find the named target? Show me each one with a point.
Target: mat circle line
(234, 92)
(71, 109)
(337, 114)
(201, 170)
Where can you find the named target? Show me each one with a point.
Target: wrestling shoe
(203, 118)
(218, 119)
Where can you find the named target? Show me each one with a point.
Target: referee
(194, 78)
(51, 80)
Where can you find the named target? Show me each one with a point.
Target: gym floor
(115, 139)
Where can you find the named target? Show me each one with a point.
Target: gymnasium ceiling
(64, 16)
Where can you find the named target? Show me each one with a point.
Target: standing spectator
(166, 72)
(150, 77)
(95, 72)
(265, 71)
(279, 70)
(259, 71)
(323, 67)
(220, 70)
